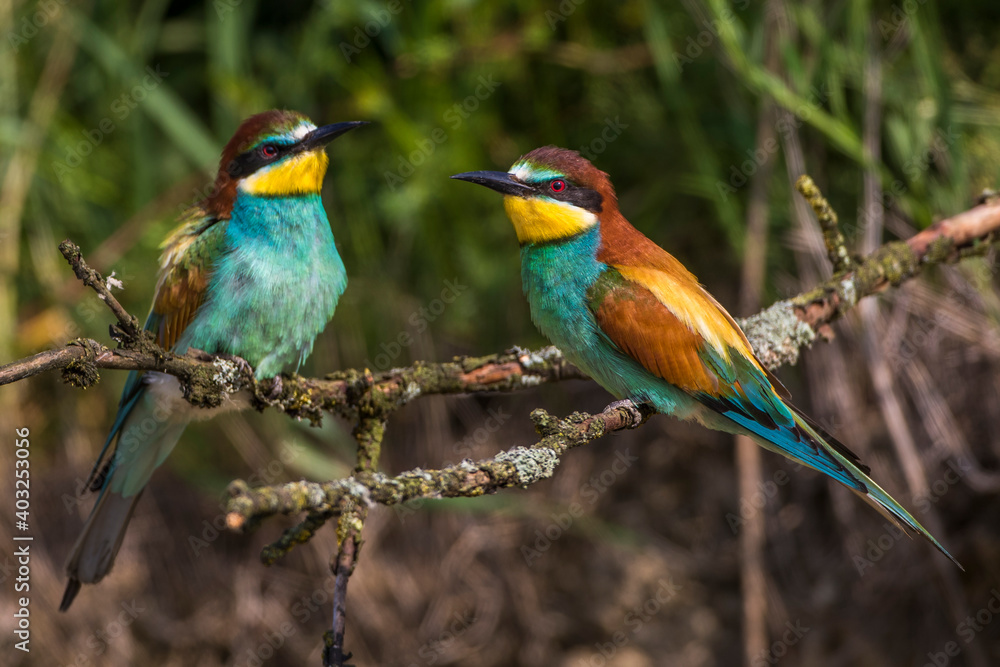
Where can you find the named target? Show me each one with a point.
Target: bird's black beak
(500, 181)
(324, 135)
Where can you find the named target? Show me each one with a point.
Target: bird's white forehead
(520, 171)
(304, 128)
(526, 172)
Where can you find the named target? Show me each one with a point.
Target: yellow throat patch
(539, 221)
(299, 175)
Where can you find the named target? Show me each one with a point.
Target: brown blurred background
(703, 112)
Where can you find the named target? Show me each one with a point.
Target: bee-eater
(251, 272)
(633, 318)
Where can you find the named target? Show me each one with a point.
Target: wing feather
(655, 310)
(643, 328)
(727, 379)
(186, 265)
(689, 346)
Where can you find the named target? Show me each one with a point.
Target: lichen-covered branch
(91, 278)
(368, 433)
(206, 380)
(517, 467)
(343, 565)
(780, 331)
(833, 238)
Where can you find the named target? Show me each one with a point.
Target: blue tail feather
(788, 432)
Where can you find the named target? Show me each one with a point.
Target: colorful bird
(251, 272)
(633, 318)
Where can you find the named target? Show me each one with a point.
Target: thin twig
(369, 433)
(519, 466)
(836, 246)
(343, 567)
(779, 332)
(91, 278)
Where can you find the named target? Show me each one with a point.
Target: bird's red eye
(268, 150)
(557, 185)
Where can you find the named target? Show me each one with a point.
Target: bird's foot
(276, 388)
(200, 355)
(629, 406)
(241, 364)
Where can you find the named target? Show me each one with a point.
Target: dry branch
(780, 331)
(93, 279)
(369, 433)
(516, 467)
(833, 238)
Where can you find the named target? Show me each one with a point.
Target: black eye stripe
(576, 195)
(247, 163)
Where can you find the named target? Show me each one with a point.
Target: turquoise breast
(556, 277)
(275, 286)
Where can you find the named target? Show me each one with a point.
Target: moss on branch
(779, 332)
(833, 238)
(517, 467)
